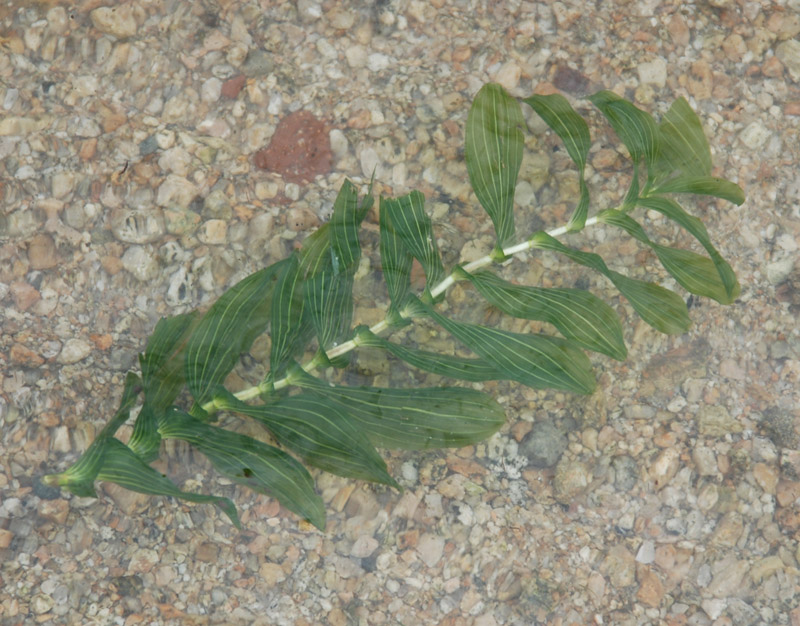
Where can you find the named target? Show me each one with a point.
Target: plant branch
(343, 348)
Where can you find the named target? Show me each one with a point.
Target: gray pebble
(258, 63)
(544, 445)
(626, 473)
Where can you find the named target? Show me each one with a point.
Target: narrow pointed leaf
(704, 186)
(571, 128)
(396, 260)
(123, 467)
(80, 476)
(684, 147)
(329, 303)
(661, 308)
(227, 329)
(493, 150)
(414, 419)
(697, 274)
(415, 233)
(538, 361)
(322, 434)
(289, 326)
(472, 370)
(577, 314)
(249, 462)
(315, 253)
(671, 209)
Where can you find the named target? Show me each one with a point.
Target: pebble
(788, 52)
(356, 56)
(62, 184)
(430, 549)
(137, 226)
(755, 135)
(213, 232)
(508, 75)
(571, 479)
(728, 579)
(42, 252)
(363, 547)
(715, 421)
(377, 62)
(626, 472)
(140, 262)
(74, 350)
(118, 21)
(176, 190)
(653, 72)
(543, 445)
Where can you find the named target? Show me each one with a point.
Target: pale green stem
(347, 346)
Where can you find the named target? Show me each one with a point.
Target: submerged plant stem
(343, 348)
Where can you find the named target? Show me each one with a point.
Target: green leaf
(145, 440)
(671, 209)
(473, 370)
(345, 223)
(123, 467)
(578, 315)
(289, 325)
(704, 186)
(321, 433)
(537, 361)
(329, 303)
(315, 253)
(227, 329)
(571, 128)
(661, 308)
(414, 232)
(249, 462)
(684, 147)
(414, 419)
(162, 361)
(493, 151)
(80, 476)
(636, 128)
(396, 262)
(697, 274)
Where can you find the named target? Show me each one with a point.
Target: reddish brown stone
(23, 356)
(232, 86)
(299, 150)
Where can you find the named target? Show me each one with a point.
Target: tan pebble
(24, 295)
(54, 510)
(61, 442)
(772, 68)
(766, 476)
(88, 149)
(788, 493)
(207, 552)
(164, 575)
(651, 589)
(508, 75)
(596, 585)
(5, 538)
(728, 530)
(430, 548)
(129, 502)
(664, 468)
(142, 561)
(20, 355)
(342, 496)
(363, 547)
(678, 30)
(619, 567)
(74, 350)
(118, 21)
(42, 252)
(360, 119)
(113, 121)
(461, 54)
(271, 573)
(213, 232)
(766, 567)
(728, 579)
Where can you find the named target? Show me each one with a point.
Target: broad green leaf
(493, 150)
(704, 186)
(537, 361)
(414, 232)
(695, 227)
(145, 440)
(321, 433)
(227, 329)
(636, 128)
(661, 308)
(289, 324)
(329, 303)
(697, 274)
(414, 419)
(345, 223)
(571, 128)
(163, 373)
(577, 314)
(315, 253)
(249, 462)
(684, 147)
(123, 467)
(396, 262)
(473, 370)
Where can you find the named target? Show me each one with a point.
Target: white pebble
(74, 350)
(339, 143)
(140, 263)
(653, 73)
(755, 135)
(211, 90)
(377, 62)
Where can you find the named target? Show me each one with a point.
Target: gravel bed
(133, 186)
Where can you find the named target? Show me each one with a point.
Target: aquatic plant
(305, 303)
